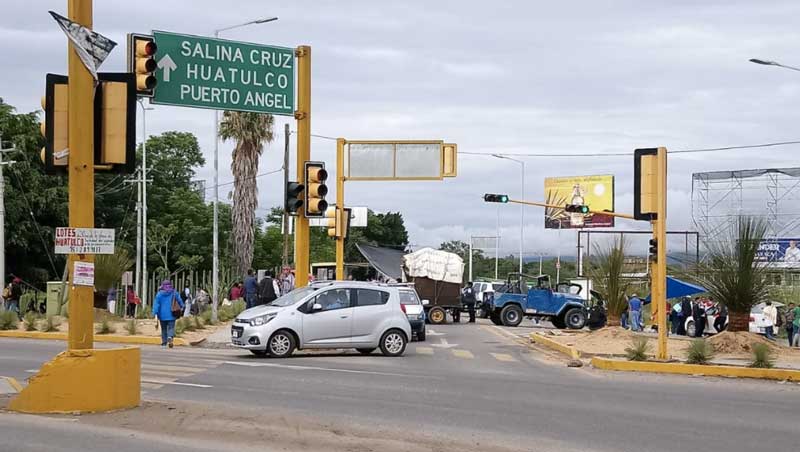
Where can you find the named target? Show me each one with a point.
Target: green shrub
(142, 312)
(106, 327)
(188, 323)
(763, 357)
(700, 352)
(198, 323)
(49, 324)
(638, 349)
(225, 313)
(29, 321)
(8, 320)
(132, 327)
(180, 327)
(206, 317)
(238, 306)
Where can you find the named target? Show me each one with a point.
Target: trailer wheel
(437, 315)
(495, 318)
(575, 318)
(511, 315)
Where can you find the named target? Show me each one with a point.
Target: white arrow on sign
(444, 344)
(167, 65)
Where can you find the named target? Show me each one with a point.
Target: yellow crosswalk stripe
(466, 354)
(424, 350)
(503, 357)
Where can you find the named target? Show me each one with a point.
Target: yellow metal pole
(81, 178)
(659, 285)
(303, 116)
(340, 208)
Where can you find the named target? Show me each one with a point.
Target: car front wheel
(393, 343)
(575, 318)
(511, 315)
(281, 344)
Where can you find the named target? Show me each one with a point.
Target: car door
(371, 312)
(332, 325)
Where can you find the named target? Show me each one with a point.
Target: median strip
(117, 339)
(571, 352)
(696, 369)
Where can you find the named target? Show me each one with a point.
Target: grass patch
(700, 352)
(180, 327)
(132, 327)
(142, 312)
(763, 357)
(8, 320)
(205, 316)
(638, 349)
(49, 324)
(29, 321)
(198, 323)
(106, 327)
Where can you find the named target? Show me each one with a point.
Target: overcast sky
(499, 77)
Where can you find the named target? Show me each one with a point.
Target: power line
(628, 154)
(254, 177)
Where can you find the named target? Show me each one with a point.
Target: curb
(60, 336)
(571, 352)
(13, 383)
(696, 369)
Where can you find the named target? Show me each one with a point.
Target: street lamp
(215, 265)
(772, 63)
(521, 207)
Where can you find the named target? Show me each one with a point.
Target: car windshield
(293, 296)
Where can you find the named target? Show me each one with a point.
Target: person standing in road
(468, 299)
(167, 305)
(287, 280)
(770, 318)
(684, 312)
(790, 322)
(635, 312)
(267, 289)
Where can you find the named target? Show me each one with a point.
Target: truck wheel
(495, 318)
(575, 318)
(511, 315)
(558, 322)
(437, 315)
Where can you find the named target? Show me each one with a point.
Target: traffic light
(316, 189)
(576, 208)
(332, 214)
(490, 197)
(294, 200)
(55, 127)
(115, 122)
(142, 62)
(653, 250)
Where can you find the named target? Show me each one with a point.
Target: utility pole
(143, 293)
(303, 117)
(137, 277)
(286, 135)
(3, 209)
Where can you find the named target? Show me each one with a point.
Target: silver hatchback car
(337, 314)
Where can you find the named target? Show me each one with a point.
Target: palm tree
(606, 271)
(250, 131)
(733, 276)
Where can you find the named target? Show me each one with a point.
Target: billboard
(597, 192)
(780, 253)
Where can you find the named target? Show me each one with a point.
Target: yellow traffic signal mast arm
(556, 206)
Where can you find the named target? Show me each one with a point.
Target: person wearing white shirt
(792, 254)
(771, 318)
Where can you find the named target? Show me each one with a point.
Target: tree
(250, 131)
(731, 273)
(606, 271)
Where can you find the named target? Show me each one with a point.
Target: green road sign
(195, 71)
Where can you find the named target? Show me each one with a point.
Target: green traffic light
(584, 209)
(490, 197)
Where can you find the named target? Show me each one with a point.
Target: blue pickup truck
(562, 306)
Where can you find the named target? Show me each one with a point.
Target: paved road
(473, 381)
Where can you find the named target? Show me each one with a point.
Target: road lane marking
(168, 382)
(444, 344)
(162, 373)
(424, 350)
(147, 385)
(173, 368)
(466, 354)
(505, 357)
(328, 369)
(496, 331)
(430, 332)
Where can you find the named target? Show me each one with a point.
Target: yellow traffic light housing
(55, 127)
(316, 175)
(142, 62)
(333, 222)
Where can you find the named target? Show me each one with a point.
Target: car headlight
(414, 316)
(260, 320)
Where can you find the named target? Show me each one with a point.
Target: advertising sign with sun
(597, 192)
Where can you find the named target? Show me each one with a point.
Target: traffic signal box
(338, 222)
(294, 197)
(491, 197)
(142, 62)
(653, 250)
(316, 175)
(114, 123)
(576, 208)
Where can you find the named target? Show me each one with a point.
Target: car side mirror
(316, 308)
(426, 302)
